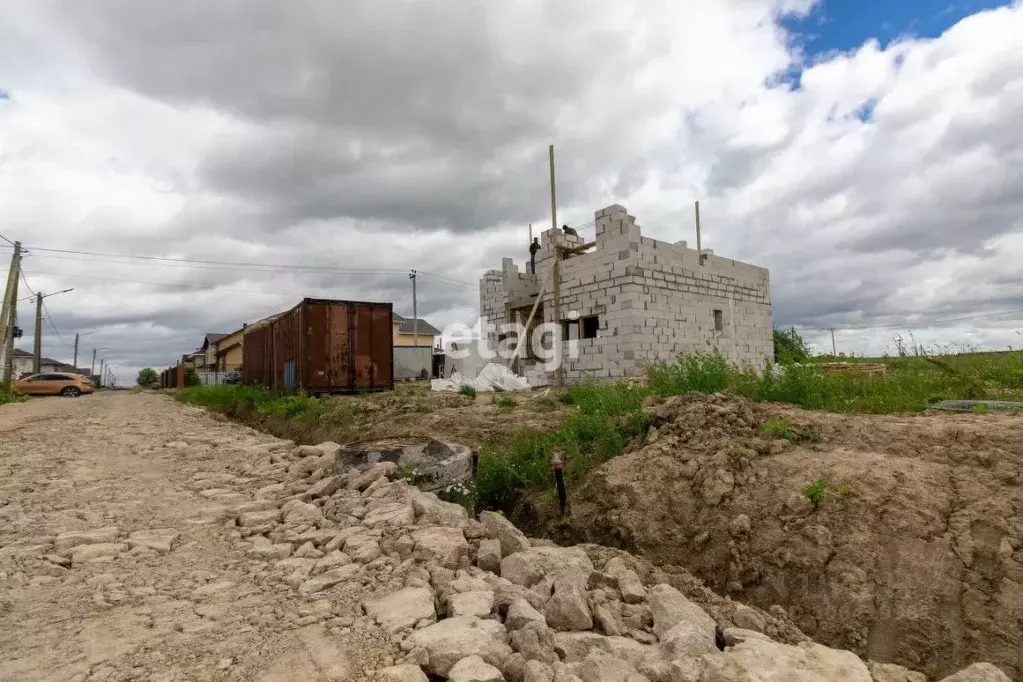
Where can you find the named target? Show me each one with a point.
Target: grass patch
(605, 418)
(780, 427)
(507, 402)
(227, 396)
(467, 390)
(910, 386)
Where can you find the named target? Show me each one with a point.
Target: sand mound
(912, 557)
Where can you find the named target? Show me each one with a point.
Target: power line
(45, 310)
(54, 327)
(95, 256)
(261, 267)
(6, 239)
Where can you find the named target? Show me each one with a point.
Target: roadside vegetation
(600, 419)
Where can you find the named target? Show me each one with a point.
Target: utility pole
(37, 350)
(38, 345)
(101, 372)
(834, 350)
(415, 314)
(92, 368)
(9, 316)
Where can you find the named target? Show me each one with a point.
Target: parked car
(70, 385)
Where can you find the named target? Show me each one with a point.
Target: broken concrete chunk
(328, 579)
(568, 609)
(521, 613)
(669, 607)
(431, 510)
(333, 560)
(535, 671)
(377, 471)
(300, 513)
(488, 556)
(978, 672)
(735, 636)
(308, 551)
(403, 673)
(527, 567)
(758, 660)
(259, 518)
(535, 641)
(325, 486)
(85, 553)
(160, 539)
(66, 541)
(479, 604)
(501, 529)
(402, 609)
(446, 546)
(393, 514)
(602, 667)
(453, 639)
(474, 669)
(629, 583)
(887, 672)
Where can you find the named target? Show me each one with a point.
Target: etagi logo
(544, 344)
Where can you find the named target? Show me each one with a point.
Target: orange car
(70, 385)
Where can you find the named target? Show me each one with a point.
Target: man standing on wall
(533, 248)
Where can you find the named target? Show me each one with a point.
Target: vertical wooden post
(698, 245)
(554, 199)
(556, 270)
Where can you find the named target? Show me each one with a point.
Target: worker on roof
(569, 231)
(533, 248)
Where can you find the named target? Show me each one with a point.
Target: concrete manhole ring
(434, 464)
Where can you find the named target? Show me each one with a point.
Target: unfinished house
(625, 300)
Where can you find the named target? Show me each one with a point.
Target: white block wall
(654, 300)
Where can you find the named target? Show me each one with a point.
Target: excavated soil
(913, 556)
(412, 410)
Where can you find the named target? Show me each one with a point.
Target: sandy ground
(202, 610)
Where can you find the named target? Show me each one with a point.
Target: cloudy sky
(868, 153)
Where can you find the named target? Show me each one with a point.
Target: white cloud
(409, 135)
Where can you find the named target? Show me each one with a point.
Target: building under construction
(624, 300)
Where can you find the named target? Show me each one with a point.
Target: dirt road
(160, 590)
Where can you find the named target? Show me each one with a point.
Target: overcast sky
(880, 180)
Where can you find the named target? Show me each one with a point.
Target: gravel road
(162, 589)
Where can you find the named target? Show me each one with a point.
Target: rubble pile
(475, 600)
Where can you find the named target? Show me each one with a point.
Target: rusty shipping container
(322, 346)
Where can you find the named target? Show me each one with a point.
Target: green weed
(980, 409)
(468, 390)
(780, 427)
(507, 402)
(816, 492)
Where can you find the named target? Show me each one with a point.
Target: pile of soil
(912, 557)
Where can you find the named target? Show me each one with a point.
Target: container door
(289, 376)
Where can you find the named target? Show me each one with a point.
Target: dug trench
(912, 553)
(912, 556)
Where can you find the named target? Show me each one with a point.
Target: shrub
(507, 402)
(789, 347)
(468, 390)
(695, 372)
(147, 378)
